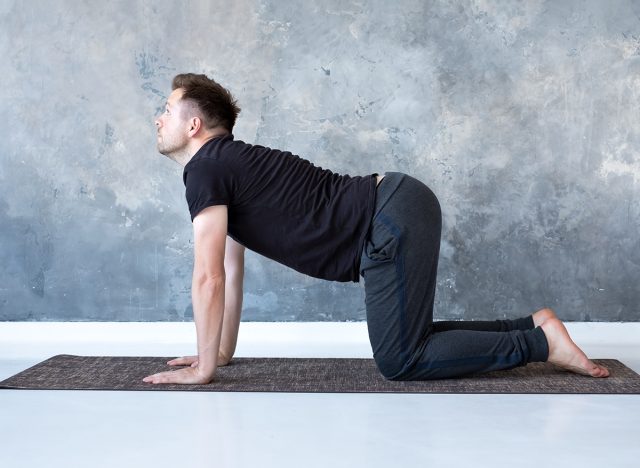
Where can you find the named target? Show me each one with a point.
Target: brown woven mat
(326, 375)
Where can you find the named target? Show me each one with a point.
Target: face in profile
(172, 126)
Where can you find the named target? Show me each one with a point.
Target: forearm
(232, 312)
(208, 313)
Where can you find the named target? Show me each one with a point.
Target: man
(330, 226)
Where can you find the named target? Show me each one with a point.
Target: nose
(158, 120)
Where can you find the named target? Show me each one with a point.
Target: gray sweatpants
(399, 265)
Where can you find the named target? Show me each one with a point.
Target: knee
(391, 369)
(395, 372)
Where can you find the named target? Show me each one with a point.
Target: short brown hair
(216, 103)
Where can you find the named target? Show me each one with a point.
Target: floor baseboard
(38, 340)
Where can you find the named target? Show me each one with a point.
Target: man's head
(216, 105)
(197, 110)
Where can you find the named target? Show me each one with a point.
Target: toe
(601, 371)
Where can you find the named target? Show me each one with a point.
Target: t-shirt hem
(372, 204)
(207, 205)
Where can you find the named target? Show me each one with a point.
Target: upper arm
(210, 233)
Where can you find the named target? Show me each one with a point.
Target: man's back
(283, 207)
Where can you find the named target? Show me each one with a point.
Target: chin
(163, 150)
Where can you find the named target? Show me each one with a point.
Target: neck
(195, 144)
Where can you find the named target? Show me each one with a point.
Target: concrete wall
(521, 116)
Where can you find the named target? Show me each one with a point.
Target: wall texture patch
(521, 116)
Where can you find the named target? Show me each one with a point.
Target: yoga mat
(311, 375)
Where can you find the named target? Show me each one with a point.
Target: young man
(330, 226)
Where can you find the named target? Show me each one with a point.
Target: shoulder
(207, 168)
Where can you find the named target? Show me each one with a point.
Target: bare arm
(207, 293)
(234, 278)
(208, 287)
(234, 270)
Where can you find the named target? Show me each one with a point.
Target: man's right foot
(541, 316)
(563, 352)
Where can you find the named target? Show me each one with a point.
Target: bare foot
(563, 352)
(542, 315)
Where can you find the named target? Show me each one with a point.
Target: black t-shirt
(283, 207)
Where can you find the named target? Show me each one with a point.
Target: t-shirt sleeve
(208, 182)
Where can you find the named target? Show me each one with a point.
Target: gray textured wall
(521, 116)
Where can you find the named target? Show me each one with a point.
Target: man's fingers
(187, 360)
(150, 378)
(180, 376)
(162, 377)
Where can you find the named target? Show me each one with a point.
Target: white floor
(194, 429)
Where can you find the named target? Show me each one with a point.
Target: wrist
(208, 364)
(206, 372)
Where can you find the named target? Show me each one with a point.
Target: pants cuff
(537, 344)
(524, 323)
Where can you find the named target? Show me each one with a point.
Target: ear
(194, 125)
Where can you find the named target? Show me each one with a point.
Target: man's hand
(187, 375)
(193, 361)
